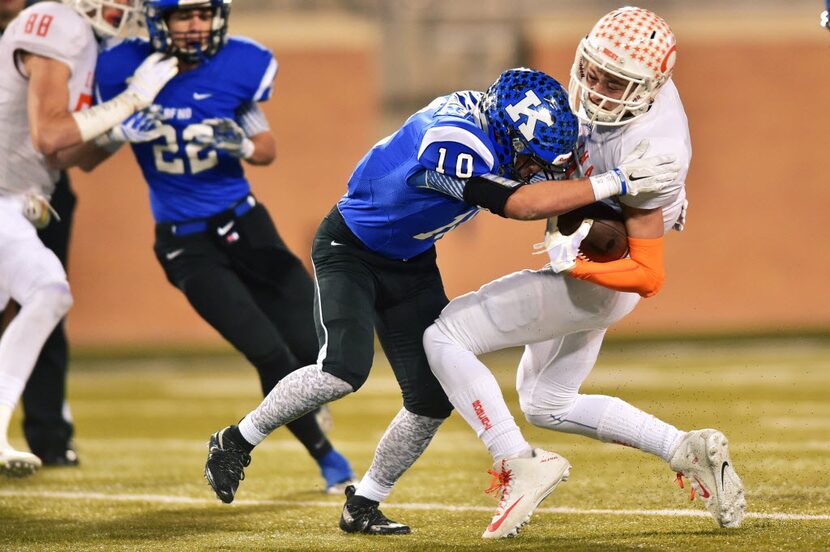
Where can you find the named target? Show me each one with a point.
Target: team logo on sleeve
(525, 108)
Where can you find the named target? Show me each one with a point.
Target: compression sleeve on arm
(490, 192)
(643, 272)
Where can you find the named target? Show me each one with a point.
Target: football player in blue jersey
(216, 243)
(375, 261)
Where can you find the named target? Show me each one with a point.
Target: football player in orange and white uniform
(47, 62)
(622, 91)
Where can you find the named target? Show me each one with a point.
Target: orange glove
(642, 272)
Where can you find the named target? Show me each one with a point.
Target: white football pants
(562, 322)
(33, 276)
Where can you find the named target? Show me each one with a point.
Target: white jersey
(600, 149)
(48, 29)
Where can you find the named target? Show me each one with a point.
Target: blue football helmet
(825, 15)
(199, 47)
(527, 113)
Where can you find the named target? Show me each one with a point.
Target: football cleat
(524, 483)
(367, 518)
(63, 458)
(337, 472)
(703, 458)
(15, 463)
(225, 466)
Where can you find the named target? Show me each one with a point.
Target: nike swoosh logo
(704, 492)
(199, 97)
(336, 243)
(225, 229)
(723, 473)
(496, 524)
(173, 254)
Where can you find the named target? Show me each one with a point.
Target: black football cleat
(365, 517)
(225, 466)
(63, 458)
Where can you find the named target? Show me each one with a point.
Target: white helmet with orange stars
(632, 45)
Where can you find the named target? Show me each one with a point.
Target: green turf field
(142, 427)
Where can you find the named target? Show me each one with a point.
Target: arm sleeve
(252, 119)
(643, 272)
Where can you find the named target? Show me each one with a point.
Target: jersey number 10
(463, 164)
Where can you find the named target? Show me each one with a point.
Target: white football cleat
(15, 463)
(524, 483)
(703, 458)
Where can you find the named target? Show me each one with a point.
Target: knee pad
(553, 413)
(540, 420)
(51, 300)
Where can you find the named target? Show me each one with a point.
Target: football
(607, 240)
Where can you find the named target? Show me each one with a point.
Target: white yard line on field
(168, 499)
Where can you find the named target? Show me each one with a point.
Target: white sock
(627, 425)
(371, 489)
(613, 420)
(482, 405)
(249, 431)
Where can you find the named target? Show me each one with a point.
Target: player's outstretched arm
(54, 128)
(142, 88)
(635, 174)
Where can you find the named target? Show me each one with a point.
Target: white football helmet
(631, 44)
(93, 11)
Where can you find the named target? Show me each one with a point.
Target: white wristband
(107, 142)
(247, 149)
(99, 119)
(607, 184)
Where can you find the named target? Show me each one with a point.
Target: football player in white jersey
(622, 91)
(47, 63)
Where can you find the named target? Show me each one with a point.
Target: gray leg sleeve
(296, 394)
(405, 440)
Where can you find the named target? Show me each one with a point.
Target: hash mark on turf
(170, 499)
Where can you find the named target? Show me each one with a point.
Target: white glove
(142, 126)
(636, 175)
(150, 78)
(562, 249)
(227, 136)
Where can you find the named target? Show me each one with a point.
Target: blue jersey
(407, 192)
(189, 180)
